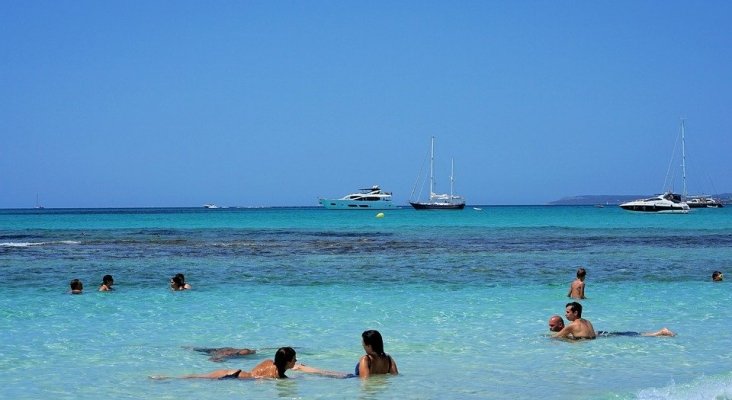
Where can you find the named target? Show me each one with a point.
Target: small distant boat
(38, 204)
(210, 206)
(439, 201)
(703, 202)
(663, 203)
(477, 209)
(372, 198)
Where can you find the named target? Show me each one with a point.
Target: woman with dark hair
(375, 362)
(107, 282)
(178, 282)
(284, 359)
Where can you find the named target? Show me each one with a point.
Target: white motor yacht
(372, 198)
(663, 203)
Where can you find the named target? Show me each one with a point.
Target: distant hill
(615, 199)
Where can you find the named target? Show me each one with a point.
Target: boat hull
(437, 206)
(652, 208)
(667, 203)
(339, 204)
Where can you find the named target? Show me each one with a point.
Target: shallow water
(462, 299)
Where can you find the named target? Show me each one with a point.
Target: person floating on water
(717, 276)
(556, 324)
(577, 287)
(284, 359)
(220, 354)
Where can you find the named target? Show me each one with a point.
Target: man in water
(556, 324)
(717, 276)
(578, 327)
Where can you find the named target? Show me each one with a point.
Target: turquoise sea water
(462, 299)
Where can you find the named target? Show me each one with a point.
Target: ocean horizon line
(225, 208)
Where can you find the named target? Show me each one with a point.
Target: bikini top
(369, 364)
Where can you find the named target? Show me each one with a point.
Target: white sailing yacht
(436, 201)
(668, 202)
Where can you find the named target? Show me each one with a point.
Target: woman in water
(284, 359)
(178, 282)
(107, 282)
(374, 362)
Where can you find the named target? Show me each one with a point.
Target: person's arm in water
(568, 332)
(310, 370)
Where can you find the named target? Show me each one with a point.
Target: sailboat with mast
(696, 201)
(436, 201)
(667, 202)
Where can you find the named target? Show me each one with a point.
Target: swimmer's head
(76, 286)
(573, 311)
(285, 358)
(373, 338)
(717, 276)
(177, 282)
(581, 273)
(556, 323)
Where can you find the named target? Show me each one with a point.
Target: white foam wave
(20, 244)
(31, 244)
(718, 387)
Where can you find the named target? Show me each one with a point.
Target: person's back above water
(375, 361)
(577, 287)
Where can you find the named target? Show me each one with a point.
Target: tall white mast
(432, 172)
(683, 157)
(452, 175)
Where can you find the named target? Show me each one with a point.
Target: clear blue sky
(258, 103)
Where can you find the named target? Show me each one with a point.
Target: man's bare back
(581, 329)
(577, 289)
